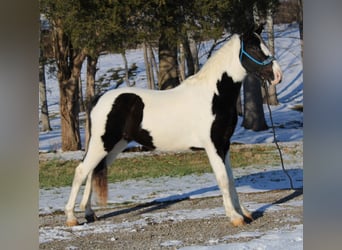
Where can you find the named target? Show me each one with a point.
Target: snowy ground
(289, 129)
(249, 180)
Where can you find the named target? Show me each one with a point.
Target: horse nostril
(277, 77)
(280, 77)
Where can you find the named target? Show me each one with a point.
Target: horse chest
(224, 101)
(224, 111)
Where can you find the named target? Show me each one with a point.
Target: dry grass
(57, 173)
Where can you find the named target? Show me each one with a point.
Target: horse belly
(172, 131)
(172, 140)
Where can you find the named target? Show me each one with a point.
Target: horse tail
(100, 184)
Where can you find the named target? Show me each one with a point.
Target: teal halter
(267, 61)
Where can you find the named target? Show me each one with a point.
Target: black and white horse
(199, 113)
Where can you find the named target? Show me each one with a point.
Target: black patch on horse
(124, 122)
(224, 109)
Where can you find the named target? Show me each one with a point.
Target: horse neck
(225, 60)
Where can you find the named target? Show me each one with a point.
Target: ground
(138, 228)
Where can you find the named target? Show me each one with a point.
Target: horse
(198, 113)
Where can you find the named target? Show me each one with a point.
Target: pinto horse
(199, 113)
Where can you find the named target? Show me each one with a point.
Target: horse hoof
(248, 217)
(238, 222)
(71, 223)
(91, 218)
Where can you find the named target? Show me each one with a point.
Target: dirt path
(175, 224)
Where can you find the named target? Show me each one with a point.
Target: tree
(168, 15)
(191, 53)
(90, 92)
(80, 29)
(255, 13)
(300, 20)
(168, 63)
(76, 34)
(148, 58)
(69, 63)
(271, 97)
(44, 50)
(178, 24)
(44, 116)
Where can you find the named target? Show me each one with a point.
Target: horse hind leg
(87, 192)
(82, 171)
(98, 179)
(85, 204)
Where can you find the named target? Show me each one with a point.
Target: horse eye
(256, 48)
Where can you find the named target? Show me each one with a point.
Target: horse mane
(226, 59)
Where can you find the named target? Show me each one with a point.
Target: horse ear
(251, 29)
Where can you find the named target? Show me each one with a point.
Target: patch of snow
(171, 243)
(47, 234)
(281, 239)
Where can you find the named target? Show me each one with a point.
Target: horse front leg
(76, 184)
(225, 182)
(248, 215)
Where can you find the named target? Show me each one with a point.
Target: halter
(265, 62)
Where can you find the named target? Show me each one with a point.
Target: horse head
(256, 58)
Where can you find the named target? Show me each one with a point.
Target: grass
(57, 173)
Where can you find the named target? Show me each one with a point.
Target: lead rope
(275, 139)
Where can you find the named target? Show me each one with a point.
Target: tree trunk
(271, 89)
(69, 62)
(194, 54)
(168, 66)
(153, 65)
(147, 66)
(44, 116)
(123, 54)
(90, 93)
(188, 57)
(253, 115)
(300, 20)
(80, 95)
(181, 62)
(69, 109)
